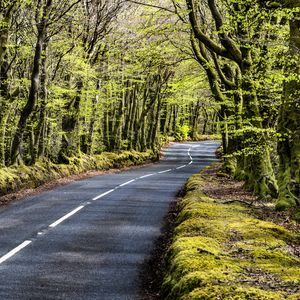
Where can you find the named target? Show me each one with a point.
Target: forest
(80, 77)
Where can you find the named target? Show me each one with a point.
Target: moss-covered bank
(221, 251)
(15, 178)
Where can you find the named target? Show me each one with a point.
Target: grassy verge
(19, 177)
(223, 249)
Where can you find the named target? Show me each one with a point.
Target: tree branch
(63, 13)
(201, 36)
(221, 74)
(203, 59)
(224, 38)
(152, 5)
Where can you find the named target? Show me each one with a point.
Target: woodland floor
(229, 190)
(224, 190)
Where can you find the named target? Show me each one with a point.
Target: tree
(44, 18)
(255, 159)
(289, 118)
(6, 11)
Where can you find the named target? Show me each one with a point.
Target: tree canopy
(87, 76)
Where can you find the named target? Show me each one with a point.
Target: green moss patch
(15, 178)
(221, 251)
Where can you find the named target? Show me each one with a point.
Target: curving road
(88, 239)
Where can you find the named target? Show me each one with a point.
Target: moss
(219, 250)
(284, 203)
(296, 216)
(229, 166)
(294, 297)
(232, 293)
(18, 177)
(240, 174)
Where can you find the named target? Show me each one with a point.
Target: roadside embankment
(228, 245)
(20, 177)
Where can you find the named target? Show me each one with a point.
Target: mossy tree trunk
(42, 18)
(69, 144)
(258, 168)
(263, 183)
(92, 124)
(289, 122)
(195, 114)
(6, 10)
(40, 134)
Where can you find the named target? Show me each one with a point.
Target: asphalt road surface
(89, 239)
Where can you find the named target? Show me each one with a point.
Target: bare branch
(152, 5)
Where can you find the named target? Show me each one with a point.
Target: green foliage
(183, 132)
(98, 89)
(122, 77)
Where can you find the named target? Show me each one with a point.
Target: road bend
(89, 239)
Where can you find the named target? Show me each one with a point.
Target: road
(89, 239)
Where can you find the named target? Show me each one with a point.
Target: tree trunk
(289, 124)
(259, 172)
(69, 145)
(40, 137)
(92, 124)
(5, 20)
(153, 138)
(35, 80)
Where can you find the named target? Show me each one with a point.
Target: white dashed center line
(165, 171)
(125, 183)
(14, 251)
(145, 176)
(74, 211)
(180, 167)
(102, 195)
(54, 224)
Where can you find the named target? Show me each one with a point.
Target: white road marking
(74, 211)
(102, 195)
(14, 251)
(26, 243)
(189, 154)
(180, 167)
(165, 171)
(145, 176)
(125, 183)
